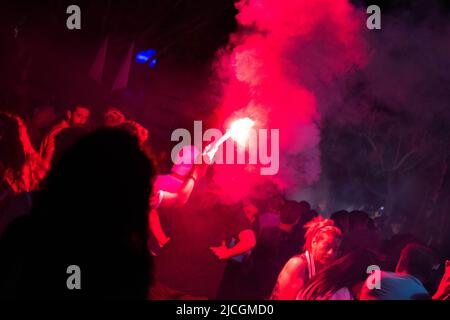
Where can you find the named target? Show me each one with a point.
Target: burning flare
(239, 131)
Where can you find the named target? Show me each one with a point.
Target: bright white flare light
(240, 130)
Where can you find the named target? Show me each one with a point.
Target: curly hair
(317, 228)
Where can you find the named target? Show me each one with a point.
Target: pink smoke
(268, 72)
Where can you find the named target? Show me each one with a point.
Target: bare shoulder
(295, 264)
(290, 279)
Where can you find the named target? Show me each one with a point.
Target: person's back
(66, 138)
(92, 213)
(412, 273)
(395, 287)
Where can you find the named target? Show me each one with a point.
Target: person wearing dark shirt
(361, 233)
(237, 282)
(274, 248)
(191, 265)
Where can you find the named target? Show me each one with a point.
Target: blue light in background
(153, 63)
(144, 56)
(141, 58)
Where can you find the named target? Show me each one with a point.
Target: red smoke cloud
(269, 71)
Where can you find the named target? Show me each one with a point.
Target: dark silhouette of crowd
(85, 198)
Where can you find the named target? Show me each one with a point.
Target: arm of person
(290, 280)
(156, 228)
(47, 146)
(247, 241)
(179, 198)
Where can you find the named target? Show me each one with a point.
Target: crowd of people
(93, 198)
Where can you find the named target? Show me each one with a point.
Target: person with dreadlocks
(322, 243)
